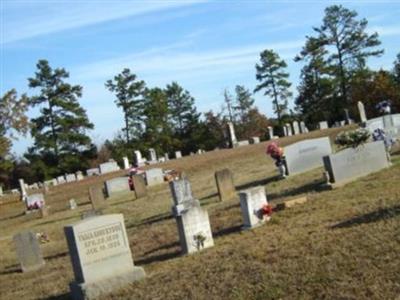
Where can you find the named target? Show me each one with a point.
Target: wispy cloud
(388, 30)
(157, 62)
(23, 19)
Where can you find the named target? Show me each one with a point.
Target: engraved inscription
(309, 149)
(102, 242)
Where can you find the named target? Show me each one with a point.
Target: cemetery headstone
(72, 204)
(117, 185)
(361, 110)
(347, 115)
(154, 176)
(289, 129)
(96, 197)
(34, 201)
(225, 184)
(270, 132)
(252, 204)
(126, 163)
(108, 167)
(231, 135)
(306, 155)
(28, 251)
(255, 140)
(242, 143)
(93, 172)
(166, 156)
(70, 177)
(351, 163)
(323, 125)
(139, 160)
(178, 154)
(303, 127)
(60, 180)
(24, 194)
(139, 186)
(79, 175)
(192, 220)
(152, 156)
(100, 256)
(296, 128)
(1, 191)
(285, 131)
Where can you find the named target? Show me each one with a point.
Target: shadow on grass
(163, 247)
(157, 258)
(65, 296)
(12, 217)
(375, 216)
(229, 230)
(11, 270)
(315, 186)
(58, 220)
(55, 256)
(263, 182)
(155, 219)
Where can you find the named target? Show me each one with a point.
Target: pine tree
(244, 101)
(349, 44)
(273, 80)
(158, 132)
(60, 130)
(396, 69)
(129, 96)
(181, 107)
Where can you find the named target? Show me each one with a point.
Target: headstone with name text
(101, 257)
(306, 155)
(351, 163)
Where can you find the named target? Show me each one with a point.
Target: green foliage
(396, 69)
(13, 120)
(338, 51)
(244, 102)
(354, 138)
(129, 93)
(60, 129)
(273, 80)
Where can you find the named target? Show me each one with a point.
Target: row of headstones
(233, 142)
(340, 167)
(99, 247)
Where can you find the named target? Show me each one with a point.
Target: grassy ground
(341, 244)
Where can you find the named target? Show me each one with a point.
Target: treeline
(333, 78)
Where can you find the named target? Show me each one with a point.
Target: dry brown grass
(341, 244)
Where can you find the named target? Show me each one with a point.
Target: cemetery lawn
(342, 243)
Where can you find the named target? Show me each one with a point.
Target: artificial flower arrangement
(353, 138)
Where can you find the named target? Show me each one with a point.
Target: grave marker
(225, 185)
(192, 220)
(323, 125)
(351, 163)
(139, 186)
(100, 256)
(108, 167)
(252, 202)
(306, 155)
(93, 172)
(154, 176)
(96, 197)
(178, 154)
(28, 251)
(361, 110)
(117, 185)
(231, 135)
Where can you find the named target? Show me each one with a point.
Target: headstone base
(93, 290)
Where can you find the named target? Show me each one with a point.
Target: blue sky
(206, 46)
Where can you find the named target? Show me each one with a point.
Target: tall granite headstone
(231, 135)
(361, 110)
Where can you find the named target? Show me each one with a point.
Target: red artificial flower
(266, 209)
